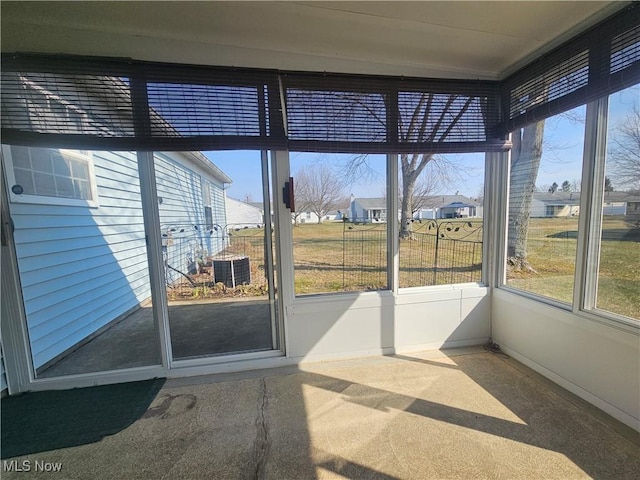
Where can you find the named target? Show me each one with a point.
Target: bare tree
(525, 162)
(438, 174)
(431, 118)
(624, 151)
(318, 189)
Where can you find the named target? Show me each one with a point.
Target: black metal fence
(197, 257)
(438, 253)
(434, 253)
(364, 256)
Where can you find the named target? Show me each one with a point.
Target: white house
(567, 204)
(447, 206)
(374, 210)
(368, 210)
(244, 214)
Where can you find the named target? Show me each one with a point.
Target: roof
(255, 205)
(117, 93)
(447, 201)
(372, 203)
(432, 201)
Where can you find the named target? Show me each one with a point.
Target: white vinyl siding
(185, 236)
(3, 376)
(80, 268)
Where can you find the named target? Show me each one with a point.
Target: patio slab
(458, 414)
(197, 329)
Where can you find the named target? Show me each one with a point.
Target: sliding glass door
(217, 252)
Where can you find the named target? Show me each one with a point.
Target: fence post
(435, 260)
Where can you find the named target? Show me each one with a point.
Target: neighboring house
(244, 214)
(299, 217)
(447, 206)
(368, 210)
(567, 204)
(555, 204)
(78, 222)
(374, 210)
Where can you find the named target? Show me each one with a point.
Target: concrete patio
(465, 413)
(198, 328)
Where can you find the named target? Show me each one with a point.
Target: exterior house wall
(304, 217)
(188, 235)
(242, 214)
(366, 214)
(538, 208)
(633, 211)
(426, 214)
(614, 208)
(3, 376)
(82, 267)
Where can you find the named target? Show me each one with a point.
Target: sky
(561, 159)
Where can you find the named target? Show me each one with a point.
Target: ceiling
(458, 39)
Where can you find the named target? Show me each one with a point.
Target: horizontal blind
(599, 62)
(350, 113)
(120, 104)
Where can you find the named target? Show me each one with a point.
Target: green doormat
(41, 421)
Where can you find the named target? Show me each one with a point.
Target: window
(61, 176)
(618, 275)
(544, 205)
(441, 224)
(206, 199)
(346, 254)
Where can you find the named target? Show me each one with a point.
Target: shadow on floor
(464, 415)
(43, 421)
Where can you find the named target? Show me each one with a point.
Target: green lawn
(337, 257)
(551, 249)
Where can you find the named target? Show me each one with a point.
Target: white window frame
(589, 229)
(86, 157)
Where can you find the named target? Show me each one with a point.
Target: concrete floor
(464, 413)
(197, 329)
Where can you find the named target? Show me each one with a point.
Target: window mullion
(590, 220)
(393, 255)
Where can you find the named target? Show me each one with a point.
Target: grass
(551, 246)
(337, 257)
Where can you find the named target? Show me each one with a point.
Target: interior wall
(596, 361)
(381, 323)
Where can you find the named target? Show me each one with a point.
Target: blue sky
(561, 160)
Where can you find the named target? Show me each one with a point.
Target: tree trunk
(525, 161)
(406, 210)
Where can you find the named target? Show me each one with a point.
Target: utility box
(231, 270)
